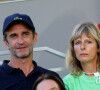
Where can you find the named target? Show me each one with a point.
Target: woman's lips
(83, 54)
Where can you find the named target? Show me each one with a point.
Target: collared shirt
(15, 79)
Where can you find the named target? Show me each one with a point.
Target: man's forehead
(18, 28)
(17, 32)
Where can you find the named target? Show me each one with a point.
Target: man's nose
(20, 40)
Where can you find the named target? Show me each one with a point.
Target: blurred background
(54, 21)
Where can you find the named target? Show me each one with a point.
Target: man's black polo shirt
(14, 78)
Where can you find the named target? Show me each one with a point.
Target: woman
(48, 82)
(83, 57)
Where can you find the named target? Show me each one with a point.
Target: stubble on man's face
(22, 53)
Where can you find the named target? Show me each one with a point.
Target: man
(21, 71)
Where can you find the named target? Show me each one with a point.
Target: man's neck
(25, 65)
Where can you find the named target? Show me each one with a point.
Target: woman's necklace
(97, 74)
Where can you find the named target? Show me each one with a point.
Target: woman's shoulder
(68, 77)
(69, 81)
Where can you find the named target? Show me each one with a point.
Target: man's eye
(26, 33)
(13, 35)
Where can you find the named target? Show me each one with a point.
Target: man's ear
(35, 38)
(6, 43)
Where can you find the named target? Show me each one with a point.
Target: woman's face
(48, 85)
(86, 48)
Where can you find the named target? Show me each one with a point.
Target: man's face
(20, 41)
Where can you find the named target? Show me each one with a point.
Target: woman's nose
(82, 46)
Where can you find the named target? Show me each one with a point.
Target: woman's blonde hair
(89, 28)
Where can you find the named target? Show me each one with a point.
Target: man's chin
(23, 56)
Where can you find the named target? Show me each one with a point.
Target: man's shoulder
(1, 68)
(3, 65)
(44, 70)
(2, 72)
